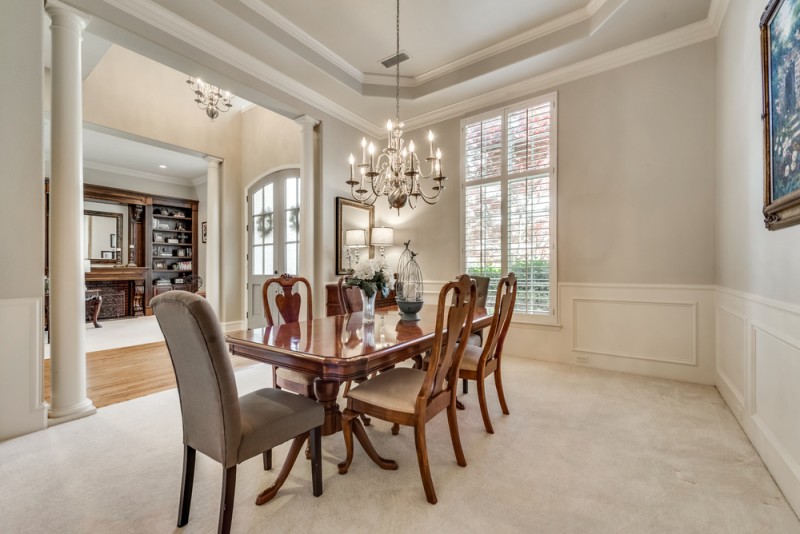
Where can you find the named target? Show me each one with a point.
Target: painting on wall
(780, 60)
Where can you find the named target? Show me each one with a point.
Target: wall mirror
(103, 237)
(351, 218)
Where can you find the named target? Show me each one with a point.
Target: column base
(82, 409)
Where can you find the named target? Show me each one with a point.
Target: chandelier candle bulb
(430, 141)
(352, 160)
(371, 150)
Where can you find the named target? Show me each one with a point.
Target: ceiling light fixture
(209, 98)
(396, 173)
(162, 166)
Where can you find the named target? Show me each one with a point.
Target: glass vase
(367, 308)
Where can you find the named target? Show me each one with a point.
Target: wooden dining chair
(286, 304)
(476, 338)
(479, 362)
(411, 397)
(216, 421)
(349, 296)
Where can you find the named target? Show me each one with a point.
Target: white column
(67, 304)
(213, 245)
(308, 189)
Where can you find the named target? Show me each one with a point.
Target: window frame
(551, 318)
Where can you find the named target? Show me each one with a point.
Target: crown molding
(166, 21)
(716, 13)
(136, 174)
(666, 42)
(557, 24)
(293, 30)
(200, 180)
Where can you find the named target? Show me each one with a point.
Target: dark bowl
(409, 309)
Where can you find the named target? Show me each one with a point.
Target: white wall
(758, 297)
(636, 218)
(21, 219)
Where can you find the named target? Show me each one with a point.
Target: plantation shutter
(509, 201)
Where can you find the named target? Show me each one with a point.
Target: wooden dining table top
(342, 347)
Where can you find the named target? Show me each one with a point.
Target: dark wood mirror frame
(343, 204)
(118, 259)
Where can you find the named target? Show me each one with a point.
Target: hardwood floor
(118, 375)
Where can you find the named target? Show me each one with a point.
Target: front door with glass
(273, 230)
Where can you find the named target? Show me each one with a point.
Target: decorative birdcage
(409, 288)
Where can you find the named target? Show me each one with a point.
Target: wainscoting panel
(731, 351)
(767, 404)
(665, 331)
(647, 330)
(777, 395)
(21, 325)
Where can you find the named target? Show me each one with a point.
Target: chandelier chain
(397, 67)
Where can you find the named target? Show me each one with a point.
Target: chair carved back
(349, 296)
(448, 348)
(504, 310)
(206, 385)
(287, 301)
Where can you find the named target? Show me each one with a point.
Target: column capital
(306, 121)
(66, 16)
(212, 161)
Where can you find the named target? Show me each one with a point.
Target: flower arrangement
(372, 276)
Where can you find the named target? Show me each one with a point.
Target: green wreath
(264, 224)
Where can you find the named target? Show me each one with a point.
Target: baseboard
(233, 326)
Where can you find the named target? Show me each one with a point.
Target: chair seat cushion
(395, 389)
(476, 338)
(271, 416)
(297, 377)
(471, 356)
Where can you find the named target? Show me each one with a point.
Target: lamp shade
(382, 236)
(355, 238)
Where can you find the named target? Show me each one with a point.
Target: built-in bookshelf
(172, 243)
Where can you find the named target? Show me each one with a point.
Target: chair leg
(487, 423)
(267, 459)
(498, 381)
(455, 437)
(226, 503)
(291, 457)
(464, 386)
(186, 485)
(395, 429)
(422, 459)
(315, 440)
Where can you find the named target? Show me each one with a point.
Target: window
(509, 195)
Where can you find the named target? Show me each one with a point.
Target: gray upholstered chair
(216, 421)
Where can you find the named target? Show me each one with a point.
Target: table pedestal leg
(326, 392)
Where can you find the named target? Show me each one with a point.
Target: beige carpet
(582, 451)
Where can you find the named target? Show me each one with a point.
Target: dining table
(339, 348)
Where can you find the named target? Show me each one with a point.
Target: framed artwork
(204, 230)
(780, 67)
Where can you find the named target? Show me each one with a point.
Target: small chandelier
(397, 171)
(209, 98)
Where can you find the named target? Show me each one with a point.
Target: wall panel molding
(641, 329)
(767, 407)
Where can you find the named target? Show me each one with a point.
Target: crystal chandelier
(397, 170)
(209, 98)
